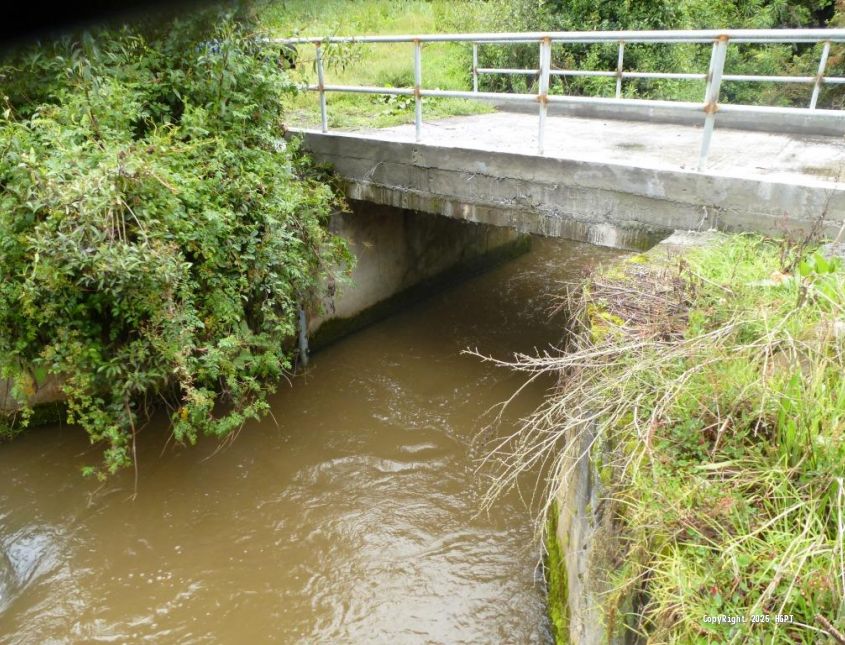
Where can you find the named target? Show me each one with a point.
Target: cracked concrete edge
(463, 183)
(631, 235)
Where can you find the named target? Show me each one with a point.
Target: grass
(444, 65)
(717, 386)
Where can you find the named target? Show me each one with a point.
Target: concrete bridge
(611, 171)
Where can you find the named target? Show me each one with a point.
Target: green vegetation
(156, 235)
(587, 15)
(734, 501)
(448, 65)
(445, 66)
(717, 387)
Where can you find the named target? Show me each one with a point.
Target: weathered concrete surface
(614, 183)
(579, 526)
(47, 392)
(819, 122)
(733, 153)
(397, 250)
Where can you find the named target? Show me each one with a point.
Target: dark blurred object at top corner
(24, 22)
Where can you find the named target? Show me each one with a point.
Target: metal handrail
(653, 36)
(720, 40)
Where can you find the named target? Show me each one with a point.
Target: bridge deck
(737, 153)
(609, 182)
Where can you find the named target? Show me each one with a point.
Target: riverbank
(401, 257)
(698, 426)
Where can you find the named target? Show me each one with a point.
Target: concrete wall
(609, 204)
(401, 255)
(585, 530)
(579, 527)
(48, 392)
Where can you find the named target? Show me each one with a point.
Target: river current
(349, 516)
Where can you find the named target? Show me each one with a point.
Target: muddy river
(352, 517)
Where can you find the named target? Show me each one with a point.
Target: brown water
(352, 521)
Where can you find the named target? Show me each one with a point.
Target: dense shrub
(589, 15)
(156, 234)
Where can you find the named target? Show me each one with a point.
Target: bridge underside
(608, 182)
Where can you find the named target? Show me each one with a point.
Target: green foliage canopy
(156, 235)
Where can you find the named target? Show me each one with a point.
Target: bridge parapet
(707, 110)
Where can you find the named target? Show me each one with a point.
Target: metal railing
(720, 40)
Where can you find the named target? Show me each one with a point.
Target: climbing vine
(157, 236)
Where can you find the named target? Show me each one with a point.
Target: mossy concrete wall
(41, 394)
(583, 529)
(578, 525)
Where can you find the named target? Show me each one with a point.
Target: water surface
(350, 518)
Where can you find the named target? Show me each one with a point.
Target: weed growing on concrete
(716, 388)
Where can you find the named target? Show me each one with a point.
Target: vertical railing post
(711, 95)
(475, 67)
(418, 88)
(321, 86)
(543, 93)
(820, 76)
(619, 69)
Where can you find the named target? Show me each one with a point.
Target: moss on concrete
(602, 323)
(42, 414)
(556, 581)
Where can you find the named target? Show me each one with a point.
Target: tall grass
(444, 65)
(717, 392)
